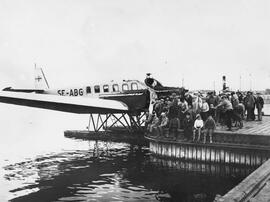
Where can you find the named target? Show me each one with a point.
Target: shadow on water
(118, 172)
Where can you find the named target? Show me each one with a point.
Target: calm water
(37, 163)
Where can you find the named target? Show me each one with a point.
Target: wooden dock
(247, 146)
(250, 128)
(252, 133)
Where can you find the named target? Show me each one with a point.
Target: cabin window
(97, 89)
(115, 88)
(88, 89)
(105, 88)
(125, 87)
(134, 86)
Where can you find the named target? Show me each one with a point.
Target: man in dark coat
(212, 102)
(188, 98)
(253, 108)
(188, 126)
(249, 104)
(259, 106)
(173, 109)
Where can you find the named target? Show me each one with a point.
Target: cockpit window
(115, 88)
(97, 89)
(88, 89)
(105, 88)
(134, 86)
(124, 87)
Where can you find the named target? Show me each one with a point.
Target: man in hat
(249, 104)
(259, 106)
(228, 109)
(197, 102)
(212, 102)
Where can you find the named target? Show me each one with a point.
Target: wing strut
(116, 121)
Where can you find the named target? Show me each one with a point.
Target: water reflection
(117, 172)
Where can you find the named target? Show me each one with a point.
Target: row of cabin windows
(115, 88)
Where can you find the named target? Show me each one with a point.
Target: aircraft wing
(81, 105)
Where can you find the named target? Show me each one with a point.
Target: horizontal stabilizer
(81, 105)
(23, 90)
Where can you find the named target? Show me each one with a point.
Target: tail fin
(40, 79)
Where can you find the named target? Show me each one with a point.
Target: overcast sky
(85, 41)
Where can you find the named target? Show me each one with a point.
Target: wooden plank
(262, 128)
(251, 185)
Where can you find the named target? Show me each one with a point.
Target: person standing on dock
(204, 109)
(149, 118)
(250, 105)
(163, 124)
(188, 98)
(191, 112)
(212, 102)
(188, 126)
(238, 110)
(174, 127)
(198, 125)
(183, 107)
(155, 122)
(259, 106)
(173, 109)
(228, 109)
(159, 107)
(210, 126)
(253, 108)
(197, 102)
(234, 100)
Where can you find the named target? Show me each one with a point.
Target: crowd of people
(195, 114)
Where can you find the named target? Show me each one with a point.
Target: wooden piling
(216, 153)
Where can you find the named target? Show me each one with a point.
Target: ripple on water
(99, 182)
(107, 175)
(115, 174)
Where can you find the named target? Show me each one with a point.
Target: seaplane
(131, 98)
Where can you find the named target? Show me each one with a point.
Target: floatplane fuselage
(129, 96)
(135, 94)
